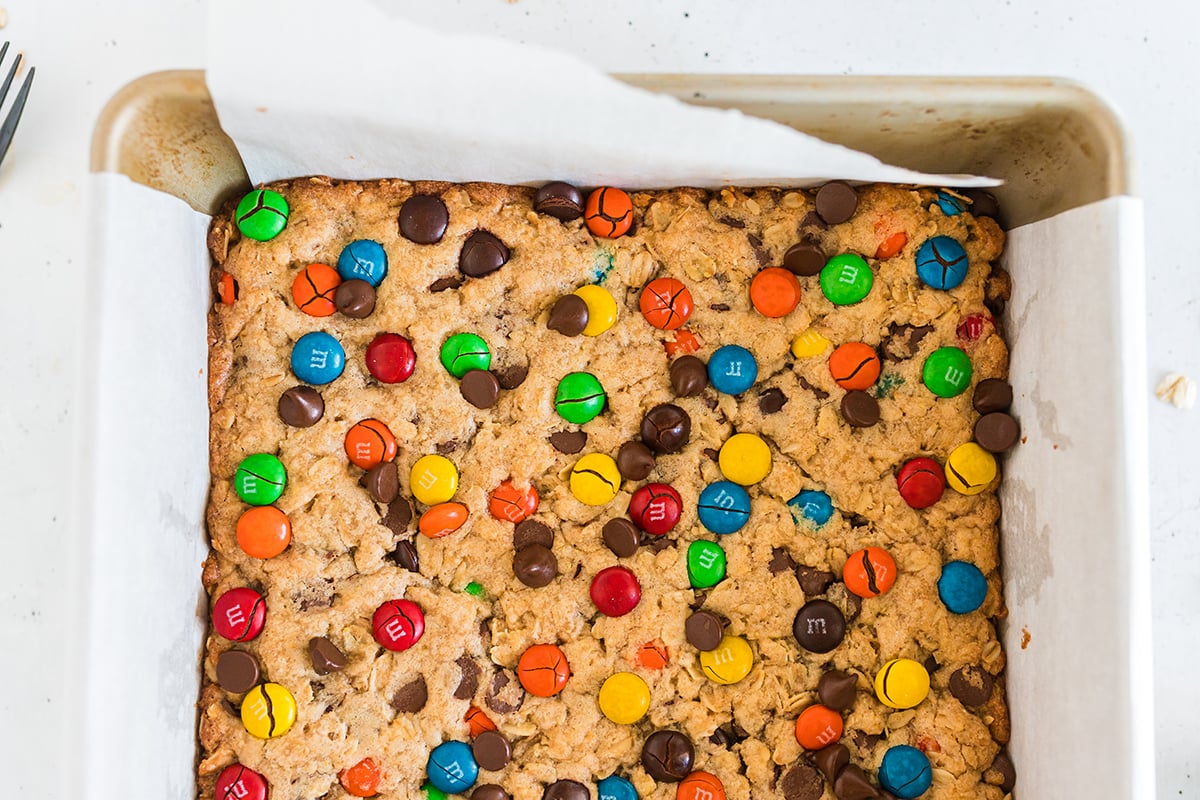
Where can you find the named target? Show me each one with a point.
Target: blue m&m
(813, 505)
(941, 263)
(452, 768)
(905, 772)
(962, 587)
(732, 369)
(614, 787)
(724, 507)
(318, 358)
(365, 260)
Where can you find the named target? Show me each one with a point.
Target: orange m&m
(608, 212)
(543, 670)
(264, 532)
(442, 520)
(870, 572)
(369, 443)
(854, 365)
(361, 780)
(666, 303)
(775, 292)
(314, 288)
(817, 727)
(700, 785)
(653, 655)
(507, 502)
(478, 721)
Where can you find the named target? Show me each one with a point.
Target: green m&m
(846, 279)
(947, 372)
(260, 479)
(705, 564)
(579, 398)
(262, 215)
(464, 352)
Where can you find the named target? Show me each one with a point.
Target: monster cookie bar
(542, 493)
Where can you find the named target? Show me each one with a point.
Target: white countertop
(1143, 61)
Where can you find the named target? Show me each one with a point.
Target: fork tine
(14, 115)
(12, 71)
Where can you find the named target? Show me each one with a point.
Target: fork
(9, 127)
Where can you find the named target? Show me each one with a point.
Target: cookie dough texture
(337, 569)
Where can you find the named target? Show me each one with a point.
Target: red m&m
(237, 782)
(398, 624)
(655, 508)
(391, 358)
(239, 614)
(921, 482)
(616, 591)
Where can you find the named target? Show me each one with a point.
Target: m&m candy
(369, 443)
(398, 624)
(608, 212)
(732, 369)
(579, 398)
(818, 726)
(941, 263)
(442, 520)
(854, 365)
(452, 768)
(543, 670)
(905, 772)
(705, 564)
(846, 279)
(814, 505)
(361, 780)
(601, 309)
(655, 508)
(731, 661)
(970, 469)
(313, 289)
(263, 532)
(237, 782)
(615, 591)
(962, 587)
(614, 787)
(724, 507)
(921, 482)
(809, 344)
(624, 698)
(391, 358)
(774, 292)
(434, 479)
(318, 358)
(239, 614)
(464, 352)
(869, 572)
(595, 479)
(260, 479)
(507, 502)
(700, 785)
(902, 683)
(268, 710)
(666, 303)
(947, 372)
(262, 215)
(364, 260)
(745, 459)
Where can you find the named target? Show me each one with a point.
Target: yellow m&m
(745, 459)
(595, 479)
(624, 698)
(730, 662)
(970, 469)
(902, 683)
(602, 309)
(809, 344)
(268, 710)
(434, 479)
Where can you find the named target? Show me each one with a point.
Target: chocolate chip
(689, 376)
(535, 566)
(482, 254)
(802, 782)
(621, 537)
(301, 407)
(983, 204)
(468, 680)
(504, 694)
(398, 516)
(511, 377)
(480, 388)
(411, 697)
(444, 284)
(992, 395)
(819, 392)
(781, 561)
(666, 428)
(667, 756)
(805, 258)
(383, 482)
(997, 432)
(530, 531)
(836, 202)
(1002, 773)
(325, 656)
(634, 461)
(704, 630)
(860, 409)
(405, 555)
(837, 690)
(566, 790)
(491, 750)
(490, 791)
(237, 671)
(569, 315)
(852, 784)
(423, 219)
(772, 400)
(819, 626)
(971, 685)
(569, 442)
(355, 299)
(831, 760)
(560, 200)
(813, 581)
